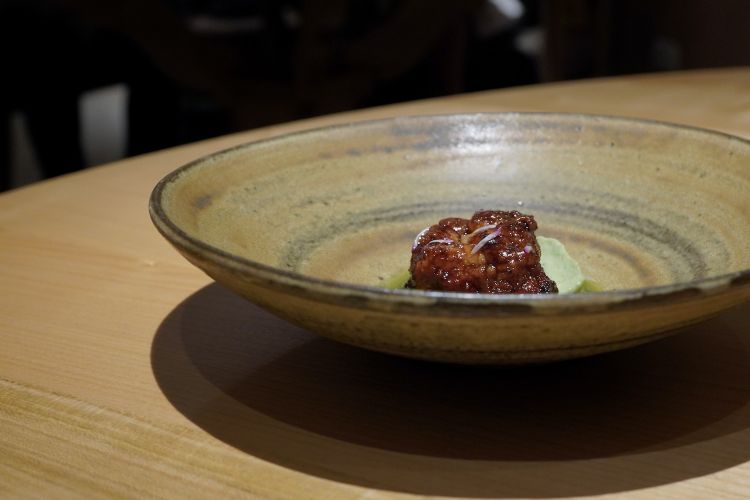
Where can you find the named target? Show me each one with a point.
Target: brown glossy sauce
(493, 252)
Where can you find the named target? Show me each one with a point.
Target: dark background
(194, 69)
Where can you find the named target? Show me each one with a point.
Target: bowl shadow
(610, 423)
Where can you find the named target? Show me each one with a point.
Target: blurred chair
(51, 58)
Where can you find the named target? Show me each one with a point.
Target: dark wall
(611, 37)
(201, 68)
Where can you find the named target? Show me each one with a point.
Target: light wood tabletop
(125, 372)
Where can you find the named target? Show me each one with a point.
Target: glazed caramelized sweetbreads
(493, 252)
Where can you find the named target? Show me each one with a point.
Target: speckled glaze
(309, 225)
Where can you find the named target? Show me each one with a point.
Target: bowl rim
(334, 291)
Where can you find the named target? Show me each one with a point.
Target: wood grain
(124, 373)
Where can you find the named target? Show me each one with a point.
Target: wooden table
(125, 372)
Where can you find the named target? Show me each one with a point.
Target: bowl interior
(637, 204)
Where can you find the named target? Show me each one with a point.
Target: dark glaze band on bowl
(307, 225)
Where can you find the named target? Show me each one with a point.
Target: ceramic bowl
(310, 225)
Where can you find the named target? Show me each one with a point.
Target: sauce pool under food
(493, 252)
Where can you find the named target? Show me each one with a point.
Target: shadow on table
(665, 412)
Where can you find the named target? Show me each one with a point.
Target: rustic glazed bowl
(310, 226)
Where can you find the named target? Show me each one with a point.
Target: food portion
(556, 262)
(493, 252)
(475, 255)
